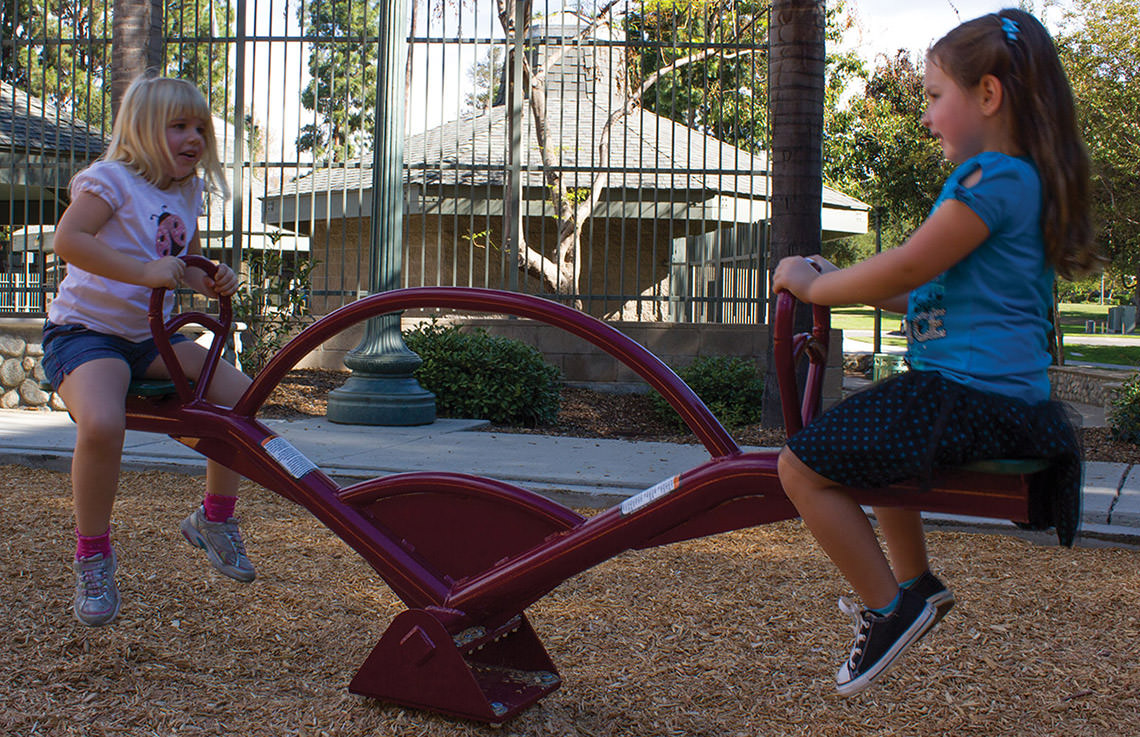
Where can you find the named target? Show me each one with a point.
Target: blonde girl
(975, 281)
(132, 213)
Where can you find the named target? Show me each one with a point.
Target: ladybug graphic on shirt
(170, 239)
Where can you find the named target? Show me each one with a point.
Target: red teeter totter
(466, 554)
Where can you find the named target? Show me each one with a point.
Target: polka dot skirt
(917, 422)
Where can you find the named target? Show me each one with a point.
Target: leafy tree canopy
(1100, 47)
(342, 85)
(61, 51)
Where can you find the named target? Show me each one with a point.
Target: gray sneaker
(222, 543)
(96, 595)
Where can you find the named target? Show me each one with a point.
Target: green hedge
(477, 375)
(732, 387)
(1124, 414)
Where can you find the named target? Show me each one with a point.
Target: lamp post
(382, 390)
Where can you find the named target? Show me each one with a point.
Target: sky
(889, 25)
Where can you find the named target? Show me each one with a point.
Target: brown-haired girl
(976, 282)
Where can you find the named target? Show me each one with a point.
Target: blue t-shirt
(985, 321)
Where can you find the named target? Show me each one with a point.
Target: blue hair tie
(1009, 25)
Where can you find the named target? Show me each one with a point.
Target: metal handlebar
(161, 331)
(787, 350)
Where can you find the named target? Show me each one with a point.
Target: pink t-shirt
(147, 223)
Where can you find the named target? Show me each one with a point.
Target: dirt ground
(731, 636)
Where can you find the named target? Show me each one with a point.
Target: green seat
(137, 388)
(1010, 466)
(152, 388)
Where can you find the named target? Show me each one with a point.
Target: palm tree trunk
(136, 43)
(796, 93)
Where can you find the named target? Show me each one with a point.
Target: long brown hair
(1015, 48)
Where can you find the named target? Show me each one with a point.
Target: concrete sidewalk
(579, 471)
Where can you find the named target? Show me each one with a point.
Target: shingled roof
(648, 154)
(29, 124)
(41, 148)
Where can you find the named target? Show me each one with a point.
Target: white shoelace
(853, 610)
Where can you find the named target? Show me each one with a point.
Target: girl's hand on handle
(796, 274)
(224, 283)
(822, 265)
(166, 272)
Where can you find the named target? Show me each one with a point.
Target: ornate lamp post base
(382, 390)
(374, 399)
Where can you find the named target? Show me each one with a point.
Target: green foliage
(877, 149)
(61, 52)
(273, 302)
(485, 81)
(474, 374)
(1100, 49)
(56, 51)
(730, 386)
(1084, 290)
(206, 64)
(342, 79)
(1124, 415)
(725, 94)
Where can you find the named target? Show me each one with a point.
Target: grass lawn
(1073, 319)
(1120, 355)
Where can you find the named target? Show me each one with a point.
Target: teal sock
(908, 583)
(889, 608)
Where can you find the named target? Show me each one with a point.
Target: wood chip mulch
(731, 636)
(585, 413)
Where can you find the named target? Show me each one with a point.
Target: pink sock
(219, 508)
(87, 546)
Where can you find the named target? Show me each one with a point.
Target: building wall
(625, 260)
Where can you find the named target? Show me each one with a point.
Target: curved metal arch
(650, 368)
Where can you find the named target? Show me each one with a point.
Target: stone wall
(21, 372)
(1087, 385)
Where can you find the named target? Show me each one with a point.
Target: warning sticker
(650, 495)
(291, 459)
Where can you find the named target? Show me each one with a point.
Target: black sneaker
(935, 592)
(881, 640)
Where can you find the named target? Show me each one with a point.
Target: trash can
(887, 364)
(1122, 319)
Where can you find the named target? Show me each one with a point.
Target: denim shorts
(67, 347)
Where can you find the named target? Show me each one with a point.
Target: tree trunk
(796, 93)
(136, 44)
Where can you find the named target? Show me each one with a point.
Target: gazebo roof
(41, 148)
(656, 167)
(29, 124)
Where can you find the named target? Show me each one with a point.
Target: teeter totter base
(467, 555)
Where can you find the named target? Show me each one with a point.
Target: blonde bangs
(139, 134)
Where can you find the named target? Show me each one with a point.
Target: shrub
(1124, 414)
(273, 302)
(474, 374)
(731, 386)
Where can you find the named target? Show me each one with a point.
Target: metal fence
(609, 157)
